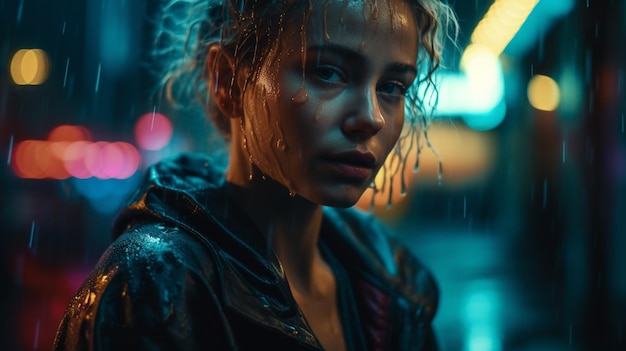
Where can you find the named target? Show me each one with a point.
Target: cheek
(257, 113)
(274, 132)
(261, 130)
(399, 124)
(393, 127)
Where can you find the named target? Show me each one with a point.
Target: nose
(365, 118)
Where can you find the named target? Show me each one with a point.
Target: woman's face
(324, 132)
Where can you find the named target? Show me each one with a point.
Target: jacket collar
(189, 192)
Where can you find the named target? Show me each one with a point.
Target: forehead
(387, 14)
(359, 23)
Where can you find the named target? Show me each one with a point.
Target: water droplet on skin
(280, 145)
(301, 96)
(250, 177)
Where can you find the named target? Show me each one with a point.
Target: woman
(267, 253)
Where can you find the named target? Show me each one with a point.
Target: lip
(353, 164)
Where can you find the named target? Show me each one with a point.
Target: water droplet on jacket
(292, 329)
(90, 298)
(264, 302)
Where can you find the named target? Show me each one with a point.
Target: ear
(221, 68)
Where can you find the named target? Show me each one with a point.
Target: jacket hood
(187, 191)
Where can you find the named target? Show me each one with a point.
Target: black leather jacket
(188, 271)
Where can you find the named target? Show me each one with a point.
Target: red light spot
(45, 161)
(112, 160)
(69, 153)
(153, 131)
(93, 160)
(25, 165)
(131, 160)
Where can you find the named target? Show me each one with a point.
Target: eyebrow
(356, 56)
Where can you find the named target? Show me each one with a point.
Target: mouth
(353, 165)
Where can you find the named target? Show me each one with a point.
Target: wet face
(327, 107)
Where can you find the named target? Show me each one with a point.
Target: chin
(341, 198)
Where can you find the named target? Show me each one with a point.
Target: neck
(291, 224)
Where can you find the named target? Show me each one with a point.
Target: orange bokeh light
(68, 132)
(69, 152)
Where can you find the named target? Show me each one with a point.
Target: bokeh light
(501, 22)
(543, 93)
(484, 72)
(153, 131)
(68, 152)
(67, 132)
(30, 67)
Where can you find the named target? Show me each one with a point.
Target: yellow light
(29, 67)
(543, 93)
(501, 22)
(466, 155)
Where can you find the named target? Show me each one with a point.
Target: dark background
(528, 250)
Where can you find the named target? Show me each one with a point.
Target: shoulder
(152, 257)
(153, 284)
(158, 243)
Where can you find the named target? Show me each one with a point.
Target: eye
(328, 74)
(393, 88)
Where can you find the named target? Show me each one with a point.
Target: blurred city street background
(524, 229)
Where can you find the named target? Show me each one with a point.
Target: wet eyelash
(400, 86)
(316, 70)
